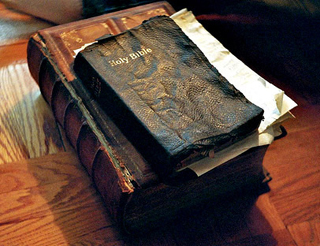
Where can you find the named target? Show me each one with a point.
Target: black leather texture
(164, 94)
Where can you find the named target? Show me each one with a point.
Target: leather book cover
(134, 195)
(163, 93)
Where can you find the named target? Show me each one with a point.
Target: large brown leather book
(134, 194)
(165, 95)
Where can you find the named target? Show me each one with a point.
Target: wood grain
(50, 201)
(47, 198)
(306, 233)
(27, 126)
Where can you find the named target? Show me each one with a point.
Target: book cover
(163, 93)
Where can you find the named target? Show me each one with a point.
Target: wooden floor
(46, 197)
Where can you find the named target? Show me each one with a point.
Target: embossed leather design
(164, 94)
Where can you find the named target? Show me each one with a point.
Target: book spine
(93, 156)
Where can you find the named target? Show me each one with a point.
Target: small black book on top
(164, 94)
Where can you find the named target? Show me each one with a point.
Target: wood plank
(51, 201)
(294, 164)
(281, 238)
(69, 230)
(27, 126)
(264, 217)
(265, 224)
(306, 233)
(49, 169)
(296, 176)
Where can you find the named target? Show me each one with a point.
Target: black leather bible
(164, 95)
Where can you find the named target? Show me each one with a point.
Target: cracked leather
(164, 94)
